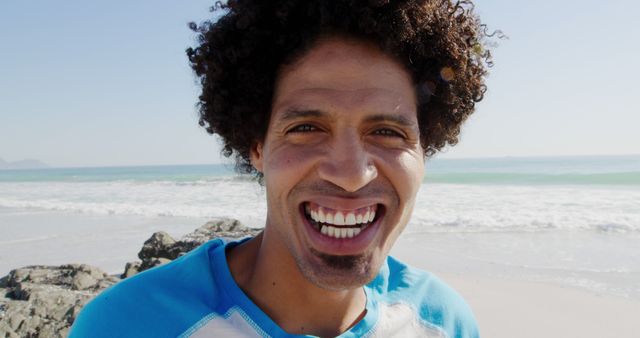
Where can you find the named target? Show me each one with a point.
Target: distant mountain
(24, 164)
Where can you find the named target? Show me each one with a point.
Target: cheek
(405, 174)
(413, 166)
(288, 163)
(405, 171)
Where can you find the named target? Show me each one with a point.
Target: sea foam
(439, 207)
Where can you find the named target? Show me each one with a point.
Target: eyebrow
(295, 113)
(398, 119)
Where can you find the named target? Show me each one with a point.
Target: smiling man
(334, 106)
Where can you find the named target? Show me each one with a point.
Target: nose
(348, 164)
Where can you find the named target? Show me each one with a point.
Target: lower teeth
(336, 231)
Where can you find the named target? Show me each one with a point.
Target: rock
(83, 282)
(158, 245)
(15, 320)
(224, 227)
(131, 269)
(43, 301)
(84, 277)
(152, 263)
(161, 248)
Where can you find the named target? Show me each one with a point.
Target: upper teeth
(342, 217)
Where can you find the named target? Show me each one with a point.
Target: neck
(270, 277)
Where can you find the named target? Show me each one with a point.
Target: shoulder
(160, 302)
(435, 302)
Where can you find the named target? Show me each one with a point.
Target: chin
(339, 272)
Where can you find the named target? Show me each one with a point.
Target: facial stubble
(338, 272)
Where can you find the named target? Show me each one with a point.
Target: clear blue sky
(95, 83)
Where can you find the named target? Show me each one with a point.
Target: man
(334, 106)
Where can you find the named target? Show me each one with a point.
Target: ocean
(573, 221)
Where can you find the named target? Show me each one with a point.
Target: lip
(342, 246)
(344, 204)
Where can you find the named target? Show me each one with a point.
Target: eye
(387, 132)
(303, 128)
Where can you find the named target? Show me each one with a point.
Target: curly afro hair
(238, 58)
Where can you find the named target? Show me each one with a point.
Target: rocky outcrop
(43, 301)
(161, 248)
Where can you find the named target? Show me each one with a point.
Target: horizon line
(231, 163)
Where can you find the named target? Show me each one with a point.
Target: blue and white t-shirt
(196, 296)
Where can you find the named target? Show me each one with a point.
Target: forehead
(339, 74)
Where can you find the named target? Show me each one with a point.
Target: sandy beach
(510, 308)
(518, 308)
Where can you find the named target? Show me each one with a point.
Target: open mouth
(341, 223)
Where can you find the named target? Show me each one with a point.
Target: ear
(256, 156)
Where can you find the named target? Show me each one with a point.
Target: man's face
(342, 161)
